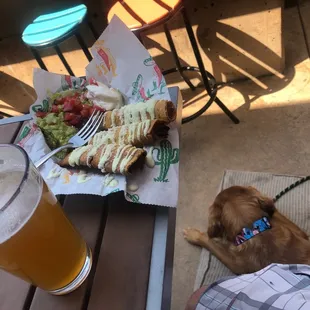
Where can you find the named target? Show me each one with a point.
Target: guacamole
(55, 131)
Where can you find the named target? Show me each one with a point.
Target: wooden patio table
(132, 246)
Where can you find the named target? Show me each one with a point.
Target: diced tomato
(66, 99)
(96, 108)
(72, 100)
(55, 108)
(41, 114)
(69, 116)
(76, 120)
(68, 106)
(91, 110)
(99, 108)
(86, 107)
(78, 107)
(59, 101)
(85, 113)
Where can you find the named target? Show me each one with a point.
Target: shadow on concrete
(240, 55)
(10, 86)
(16, 18)
(275, 140)
(254, 55)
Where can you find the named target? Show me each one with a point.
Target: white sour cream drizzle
(133, 187)
(82, 177)
(127, 159)
(110, 181)
(119, 159)
(149, 160)
(107, 151)
(134, 113)
(74, 157)
(126, 134)
(113, 183)
(53, 173)
(91, 153)
(119, 154)
(105, 155)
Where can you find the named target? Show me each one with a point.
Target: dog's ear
(267, 205)
(215, 228)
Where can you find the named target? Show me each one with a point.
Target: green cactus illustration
(148, 61)
(154, 86)
(161, 91)
(24, 132)
(44, 107)
(148, 93)
(166, 156)
(133, 197)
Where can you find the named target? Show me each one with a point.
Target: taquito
(108, 158)
(137, 134)
(152, 109)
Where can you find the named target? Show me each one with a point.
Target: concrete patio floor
(273, 134)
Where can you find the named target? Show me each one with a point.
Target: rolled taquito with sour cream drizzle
(152, 109)
(136, 134)
(108, 158)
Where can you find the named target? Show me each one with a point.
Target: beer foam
(14, 217)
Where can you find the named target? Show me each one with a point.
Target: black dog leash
(287, 189)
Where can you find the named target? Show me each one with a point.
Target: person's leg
(195, 297)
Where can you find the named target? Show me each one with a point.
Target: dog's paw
(192, 235)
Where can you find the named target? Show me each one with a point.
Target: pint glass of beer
(37, 242)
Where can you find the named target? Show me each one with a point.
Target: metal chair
(141, 16)
(50, 30)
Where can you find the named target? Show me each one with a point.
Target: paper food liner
(121, 62)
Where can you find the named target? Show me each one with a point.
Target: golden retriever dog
(238, 207)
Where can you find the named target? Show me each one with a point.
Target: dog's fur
(238, 207)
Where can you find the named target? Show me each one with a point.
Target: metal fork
(79, 139)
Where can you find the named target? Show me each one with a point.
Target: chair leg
(83, 46)
(137, 33)
(226, 110)
(64, 61)
(195, 48)
(92, 28)
(38, 59)
(194, 44)
(176, 57)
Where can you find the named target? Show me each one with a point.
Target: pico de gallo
(75, 106)
(69, 111)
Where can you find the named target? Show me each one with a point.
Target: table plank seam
(96, 255)
(29, 297)
(150, 260)
(167, 285)
(16, 133)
